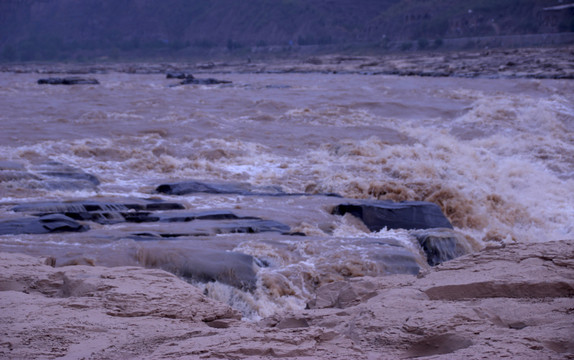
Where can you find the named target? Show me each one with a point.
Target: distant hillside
(72, 29)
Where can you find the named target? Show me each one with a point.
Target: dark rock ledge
(434, 232)
(102, 212)
(396, 215)
(189, 79)
(68, 81)
(53, 223)
(232, 188)
(186, 223)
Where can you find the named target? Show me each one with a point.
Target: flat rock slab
(378, 215)
(42, 225)
(511, 276)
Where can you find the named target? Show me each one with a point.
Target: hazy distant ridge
(49, 28)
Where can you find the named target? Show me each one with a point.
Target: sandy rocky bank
(515, 301)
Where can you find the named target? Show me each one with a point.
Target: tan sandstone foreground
(514, 302)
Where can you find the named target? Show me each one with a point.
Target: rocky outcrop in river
(154, 221)
(68, 81)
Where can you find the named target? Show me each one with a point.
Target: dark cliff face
(50, 29)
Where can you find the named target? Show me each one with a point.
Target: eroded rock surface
(515, 301)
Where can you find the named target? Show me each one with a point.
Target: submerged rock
(41, 225)
(396, 215)
(11, 176)
(10, 165)
(231, 268)
(68, 81)
(52, 175)
(395, 259)
(178, 75)
(59, 176)
(441, 245)
(57, 180)
(208, 81)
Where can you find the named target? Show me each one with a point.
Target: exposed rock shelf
(515, 301)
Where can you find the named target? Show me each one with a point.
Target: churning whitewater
(496, 155)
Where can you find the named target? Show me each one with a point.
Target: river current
(497, 155)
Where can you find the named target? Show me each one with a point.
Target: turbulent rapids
(276, 156)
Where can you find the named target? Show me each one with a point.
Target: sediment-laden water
(497, 155)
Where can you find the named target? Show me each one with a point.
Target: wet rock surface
(395, 215)
(146, 211)
(400, 316)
